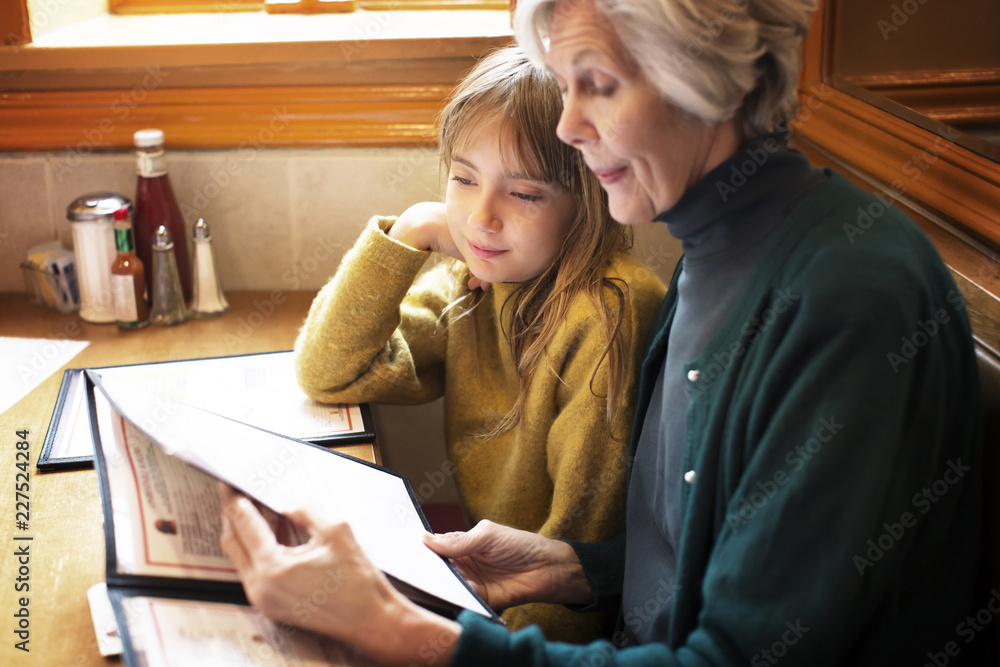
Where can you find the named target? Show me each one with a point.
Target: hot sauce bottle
(128, 278)
(156, 206)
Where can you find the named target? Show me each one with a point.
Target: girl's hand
(508, 567)
(477, 283)
(357, 605)
(424, 226)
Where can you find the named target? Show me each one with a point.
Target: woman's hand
(508, 567)
(328, 586)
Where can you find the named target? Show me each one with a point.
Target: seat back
(989, 378)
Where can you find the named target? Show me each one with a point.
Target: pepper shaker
(168, 297)
(208, 300)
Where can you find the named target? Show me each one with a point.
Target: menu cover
(258, 389)
(167, 576)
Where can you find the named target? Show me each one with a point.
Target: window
(296, 6)
(949, 189)
(372, 77)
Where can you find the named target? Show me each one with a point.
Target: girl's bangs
(475, 120)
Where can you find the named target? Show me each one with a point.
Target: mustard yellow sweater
(375, 333)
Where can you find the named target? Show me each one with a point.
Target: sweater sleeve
(604, 564)
(371, 334)
(486, 644)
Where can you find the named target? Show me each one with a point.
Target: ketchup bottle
(155, 205)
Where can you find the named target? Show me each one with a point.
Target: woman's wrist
(409, 634)
(570, 584)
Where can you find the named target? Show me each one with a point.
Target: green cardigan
(834, 431)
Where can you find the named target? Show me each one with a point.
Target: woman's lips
(484, 253)
(610, 176)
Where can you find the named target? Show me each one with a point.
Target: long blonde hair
(506, 88)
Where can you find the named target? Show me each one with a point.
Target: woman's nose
(573, 128)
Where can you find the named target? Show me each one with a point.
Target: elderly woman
(806, 481)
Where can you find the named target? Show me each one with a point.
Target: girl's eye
(523, 196)
(462, 181)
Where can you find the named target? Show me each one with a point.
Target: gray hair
(712, 58)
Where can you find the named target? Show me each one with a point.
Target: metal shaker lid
(201, 231)
(97, 207)
(161, 239)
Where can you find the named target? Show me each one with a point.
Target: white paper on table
(169, 632)
(26, 362)
(109, 641)
(259, 389)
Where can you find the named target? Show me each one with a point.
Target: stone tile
(244, 198)
(333, 198)
(25, 216)
(73, 174)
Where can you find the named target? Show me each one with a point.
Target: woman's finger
(450, 545)
(246, 524)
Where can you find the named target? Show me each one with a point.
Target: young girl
(537, 361)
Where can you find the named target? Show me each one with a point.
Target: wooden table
(66, 549)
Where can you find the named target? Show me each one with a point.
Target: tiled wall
(281, 219)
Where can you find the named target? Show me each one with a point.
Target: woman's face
(508, 226)
(645, 152)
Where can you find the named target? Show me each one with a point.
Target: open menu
(159, 477)
(258, 389)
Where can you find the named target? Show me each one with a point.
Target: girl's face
(508, 226)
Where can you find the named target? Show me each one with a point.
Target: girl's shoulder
(640, 287)
(629, 267)
(645, 288)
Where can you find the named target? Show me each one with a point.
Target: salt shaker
(208, 300)
(168, 297)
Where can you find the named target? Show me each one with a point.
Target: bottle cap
(148, 138)
(121, 214)
(161, 239)
(201, 231)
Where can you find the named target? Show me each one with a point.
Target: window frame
(185, 6)
(956, 200)
(216, 96)
(962, 189)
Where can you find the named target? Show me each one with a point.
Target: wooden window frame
(184, 6)
(954, 194)
(342, 92)
(962, 188)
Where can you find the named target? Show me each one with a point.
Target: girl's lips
(484, 253)
(610, 176)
